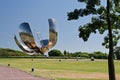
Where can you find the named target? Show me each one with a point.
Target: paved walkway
(7, 73)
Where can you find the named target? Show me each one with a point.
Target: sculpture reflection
(28, 44)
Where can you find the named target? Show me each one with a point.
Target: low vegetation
(53, 54)
(6, 52)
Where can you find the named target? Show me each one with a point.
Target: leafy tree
(5, 52)
(84, 54)
(104, 18)
(80, 54)
(65, 52)
(55, 53)
(100, 55)
(76, 54)
(117, 52)
(69, 54)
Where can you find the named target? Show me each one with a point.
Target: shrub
(55, 53)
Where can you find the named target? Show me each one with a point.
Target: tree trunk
(110, 58)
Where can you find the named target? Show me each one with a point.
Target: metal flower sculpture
(27, 41)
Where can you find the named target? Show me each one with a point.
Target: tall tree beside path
(104, 18)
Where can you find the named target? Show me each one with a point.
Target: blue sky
(37, 13)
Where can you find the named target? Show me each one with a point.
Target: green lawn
(69, 69)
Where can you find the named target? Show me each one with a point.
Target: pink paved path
(7, 73)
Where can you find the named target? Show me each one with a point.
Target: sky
(37, 13)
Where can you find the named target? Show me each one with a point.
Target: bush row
(53, 53)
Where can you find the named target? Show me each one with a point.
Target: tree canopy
(55, 53)
(99, 19)
(5, 52)
(117, 52)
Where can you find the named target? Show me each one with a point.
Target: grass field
(66, 69)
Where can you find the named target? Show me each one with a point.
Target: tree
(84, 55)
(6, 52)
(65, 53)
(117, 52)
(81, 54)
(104, 19)
(100, 55)
(55, 53)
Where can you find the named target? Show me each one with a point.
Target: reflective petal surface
(52, 33)
(22, 47)
(27, 36)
